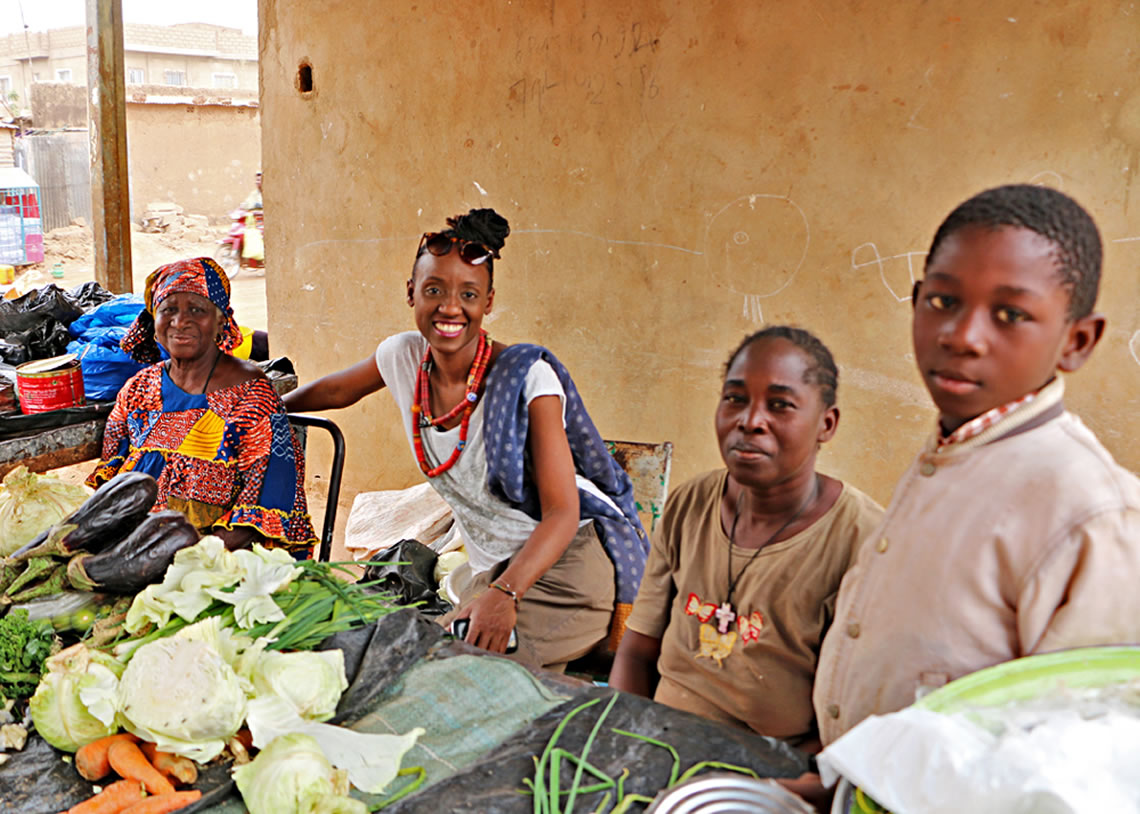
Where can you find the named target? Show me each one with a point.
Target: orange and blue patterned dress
(224, 459)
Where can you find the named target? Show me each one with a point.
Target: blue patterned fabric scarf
(505, 421)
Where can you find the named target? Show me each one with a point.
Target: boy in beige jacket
(1014, 532)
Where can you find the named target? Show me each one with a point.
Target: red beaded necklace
(421, 407)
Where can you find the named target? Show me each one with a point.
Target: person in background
(745, 566)
(253, 200)
(209, 428)
(253, 242)
(1014, 531)
(546, 514)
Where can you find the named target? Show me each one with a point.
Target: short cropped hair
(822, 372)
(1051, 214)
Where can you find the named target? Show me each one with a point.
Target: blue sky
(41, 15)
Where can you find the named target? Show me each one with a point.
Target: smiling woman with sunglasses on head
(500, 431)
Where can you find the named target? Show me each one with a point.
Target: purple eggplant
(139, 560)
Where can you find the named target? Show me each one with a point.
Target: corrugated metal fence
(60, 164)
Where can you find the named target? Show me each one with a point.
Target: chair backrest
(648, 467)
(300, 424)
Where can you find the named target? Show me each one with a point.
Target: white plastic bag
(381, 519)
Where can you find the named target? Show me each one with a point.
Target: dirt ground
(73, 248)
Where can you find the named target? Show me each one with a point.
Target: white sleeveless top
(492, 530)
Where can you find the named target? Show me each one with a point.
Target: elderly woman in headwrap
(209, 428)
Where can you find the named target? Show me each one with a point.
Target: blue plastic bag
(120, 311)
(106, 367)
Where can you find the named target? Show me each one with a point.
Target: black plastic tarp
(37, 780)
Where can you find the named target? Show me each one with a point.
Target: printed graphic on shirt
(715, 646)
(701, 610)
(750, 626)
(717, 643)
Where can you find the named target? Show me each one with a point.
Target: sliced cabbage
(76, 700)
(312, 682)
(265, 571)
(291, 775)
(372, 761)
(31, 503)
(181, 694)
(202, 567)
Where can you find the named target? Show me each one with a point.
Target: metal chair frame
(299, 420)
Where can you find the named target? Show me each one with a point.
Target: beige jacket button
(927, 469)
(853, 630)
(833, 710)
(882, 545)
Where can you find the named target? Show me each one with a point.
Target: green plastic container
(1023, 680)
(1034, 676)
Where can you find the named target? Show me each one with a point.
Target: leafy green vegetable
(24, 647)
(31, 503)
(292, 775)
(310, 602)
(74, 704)
(183, 590)
(181, 694)
(265, 571)
(371, 760)
(313, 682)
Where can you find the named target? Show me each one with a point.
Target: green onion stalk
(545, 788)
(316, 605)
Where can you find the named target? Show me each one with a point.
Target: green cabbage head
(31, 503)
(292, 776)
(74, 703)
(182, 695)
(311, 681)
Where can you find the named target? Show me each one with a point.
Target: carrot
(131, 764)
(175, 767)
(245, 737)
(111, 800)
(164, 803)
(91, 759)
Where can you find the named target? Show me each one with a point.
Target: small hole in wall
(305, 77)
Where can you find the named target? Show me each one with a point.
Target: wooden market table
(41, 450)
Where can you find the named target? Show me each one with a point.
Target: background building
(196, 55)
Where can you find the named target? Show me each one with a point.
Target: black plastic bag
(34, 326)
(89, 295)
(407, 570)
(36, 307)
(280, 364)
(8, 400)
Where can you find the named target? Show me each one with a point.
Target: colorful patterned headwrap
(201, 276)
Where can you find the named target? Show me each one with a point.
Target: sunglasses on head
(470, 252)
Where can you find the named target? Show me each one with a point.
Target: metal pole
(107, 131)
(24, 71)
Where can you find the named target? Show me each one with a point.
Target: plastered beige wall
(201, 157)
(678, 174)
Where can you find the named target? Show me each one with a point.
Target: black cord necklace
(725, 614)
(209, 375)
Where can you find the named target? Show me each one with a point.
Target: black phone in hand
(459, 629)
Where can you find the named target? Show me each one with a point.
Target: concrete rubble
(170, 219)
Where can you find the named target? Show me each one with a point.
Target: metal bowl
(726, 793)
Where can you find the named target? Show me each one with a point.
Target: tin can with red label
(50, 384)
